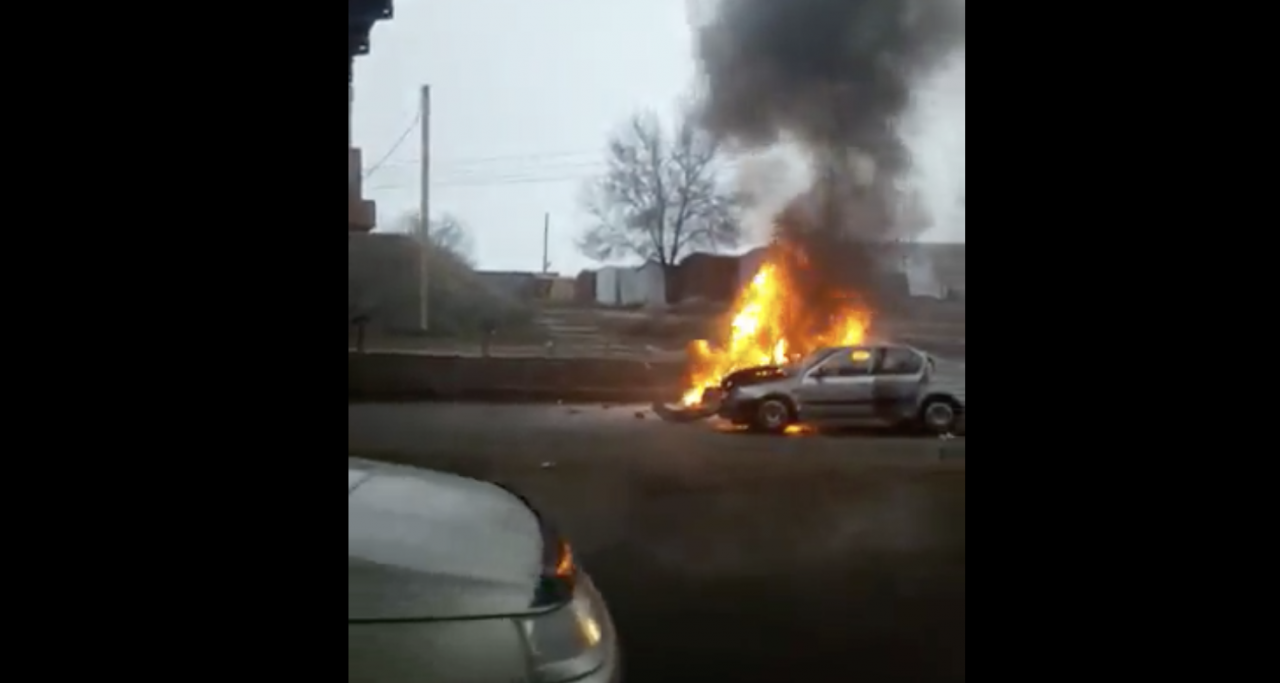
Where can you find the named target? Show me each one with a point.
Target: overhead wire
(394, 146)
(518, 175)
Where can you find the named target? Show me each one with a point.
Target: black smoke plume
(834, 75)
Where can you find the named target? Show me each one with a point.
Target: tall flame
(769, 327)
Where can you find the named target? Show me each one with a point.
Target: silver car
(880, 384)
(455, 580)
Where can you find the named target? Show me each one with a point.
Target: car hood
(424, 544)
(763, 374)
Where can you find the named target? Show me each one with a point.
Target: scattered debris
(573, 411)
(546, 465)
(681, 414)
(639, 414)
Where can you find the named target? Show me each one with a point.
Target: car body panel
(836, 390)
(442, 574)
(429, 544)
(886, 395)
(466, 651)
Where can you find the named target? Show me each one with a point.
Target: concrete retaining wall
(399, 377)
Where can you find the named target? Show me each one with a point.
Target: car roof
(877, 344)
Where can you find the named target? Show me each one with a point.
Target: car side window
(900, 361)
(856, 362)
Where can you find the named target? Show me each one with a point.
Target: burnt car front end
(739, 392)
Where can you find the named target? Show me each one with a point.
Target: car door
(840, 388)
(899, 378)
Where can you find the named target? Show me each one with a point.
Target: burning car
(796, 349)
(888, 385)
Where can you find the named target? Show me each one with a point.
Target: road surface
(727, 556)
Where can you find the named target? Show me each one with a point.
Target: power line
(534, 156)
(551, 174)
(490, 182)
(516, 178)
(396, 145)
(483, 162)
(551, 164)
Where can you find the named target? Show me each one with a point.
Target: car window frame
(842, 355)
(921, 360)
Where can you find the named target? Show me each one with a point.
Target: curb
(646, 395)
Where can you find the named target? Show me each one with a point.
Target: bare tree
(448, 233)
(661, 196)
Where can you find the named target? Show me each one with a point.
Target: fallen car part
(682, 413)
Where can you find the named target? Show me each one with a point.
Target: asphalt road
(727, 556)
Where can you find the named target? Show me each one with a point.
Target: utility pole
(546, 236)
(424, 211)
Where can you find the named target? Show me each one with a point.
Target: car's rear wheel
(940, 415)
(773, 415)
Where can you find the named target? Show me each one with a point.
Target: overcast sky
(524, 96)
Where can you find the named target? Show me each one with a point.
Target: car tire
(772, 415)
(940, 415)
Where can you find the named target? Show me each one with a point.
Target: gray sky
(524, 96)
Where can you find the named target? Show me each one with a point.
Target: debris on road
(681, 414)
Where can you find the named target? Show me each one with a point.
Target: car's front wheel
(773, 415)
(940, 415)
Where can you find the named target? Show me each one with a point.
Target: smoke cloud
(837, 76)
(933, 132)
(834, 73)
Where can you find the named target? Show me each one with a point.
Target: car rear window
(899, 361)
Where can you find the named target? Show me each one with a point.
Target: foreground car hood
(424, 544)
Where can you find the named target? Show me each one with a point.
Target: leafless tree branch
(660, 197)
(447, 232)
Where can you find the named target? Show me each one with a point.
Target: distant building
(527, 286)
(709, 277)
(933, 270)
(640, 286)
(584, 287)
(927, 270)
(361, 16)
(749, 264)
(562, 289)
(514, 284)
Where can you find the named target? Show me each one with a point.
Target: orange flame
(764, 331)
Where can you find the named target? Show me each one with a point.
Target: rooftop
(361, 16)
